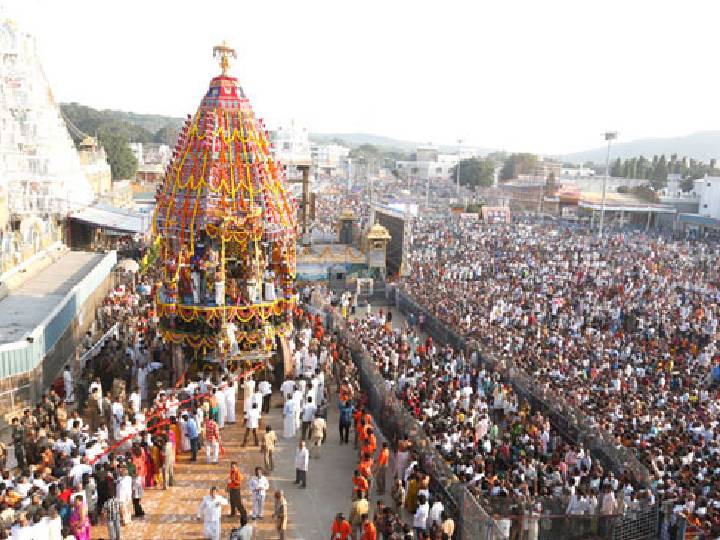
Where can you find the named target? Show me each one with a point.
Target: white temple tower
(39, 166)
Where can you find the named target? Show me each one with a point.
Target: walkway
(171, 513)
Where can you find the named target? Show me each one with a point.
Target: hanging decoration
(226, 225)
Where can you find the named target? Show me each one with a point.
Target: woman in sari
(138, 459)
(149, 466)
(79, 521)
(175, 435)
(411, 499)
(156, 455)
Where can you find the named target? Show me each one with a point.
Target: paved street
(170, 514)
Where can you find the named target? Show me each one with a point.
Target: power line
(72, 126)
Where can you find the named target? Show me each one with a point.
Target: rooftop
(26, 307)
(622, 201)
(116, 219)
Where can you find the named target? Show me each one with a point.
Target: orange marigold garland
(227, 228)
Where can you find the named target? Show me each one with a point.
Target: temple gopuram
(226, 224)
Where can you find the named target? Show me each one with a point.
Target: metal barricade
(568, 419)
(396, 422)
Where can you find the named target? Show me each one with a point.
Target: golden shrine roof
(378, 232)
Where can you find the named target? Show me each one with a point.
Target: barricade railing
(567, 418)
(490, 518)
(396, 422)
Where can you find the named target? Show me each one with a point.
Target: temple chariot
(226, 226)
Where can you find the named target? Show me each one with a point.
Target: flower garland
(232, 313)
(224, 184)
(249, 339)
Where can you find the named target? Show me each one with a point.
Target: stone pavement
(171, 514)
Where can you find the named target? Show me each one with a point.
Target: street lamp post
(609, 137)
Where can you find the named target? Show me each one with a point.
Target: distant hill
(703, 145)
(357, 139)
(132, 127)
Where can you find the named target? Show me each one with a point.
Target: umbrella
(129, 265)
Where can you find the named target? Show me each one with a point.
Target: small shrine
(346, 226)
(226, 223)
(377, 241)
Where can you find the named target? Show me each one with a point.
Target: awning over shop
(114, 219)
(697, 219)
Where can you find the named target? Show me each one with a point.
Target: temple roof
(378, 232)
(222, 175)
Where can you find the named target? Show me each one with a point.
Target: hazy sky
(545, 76)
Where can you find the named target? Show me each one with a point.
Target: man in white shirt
(258, 486)
(436, 511)
(257, 398)
(210, 512)
(172, 405)
(135, 401)
(266, 390)
(248, 391)
(222, 404)
(287, 387)
(65, 445)
(308, 415)
(79, 468)
(124, 495)
(252, 422)
(117, 411)
(69, 385)
(421, 516)
(230, 396)
(302, 460)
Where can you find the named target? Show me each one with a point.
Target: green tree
(123, 164)
(92, 121)
(642, 168)
(630, 168)
(365, 151)
(660, 173)
(166, 135)
(517, 164)
(475, 172)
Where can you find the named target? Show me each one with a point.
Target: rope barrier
(156, 412)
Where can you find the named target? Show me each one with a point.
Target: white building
(157, 153)
(430, 164)
(576, 172)
(291, 144)
(329, 160)
(137, 149)
(151, 153)
(708, 192)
